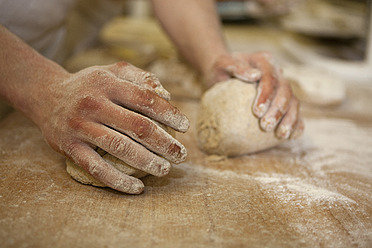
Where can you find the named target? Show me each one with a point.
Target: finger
(135, 75)
(299, 128)
(94, 164)
(244, 72)
(239, 69)
(147, 102)
(278, 108)
(289, 121)
(144, 131)
(124, 148)
(265, 94)
(268, 83)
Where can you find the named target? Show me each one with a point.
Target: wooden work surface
(312, 192)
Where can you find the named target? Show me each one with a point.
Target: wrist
(25, 75)
(31, 88)
(40, 94)
(210, 61)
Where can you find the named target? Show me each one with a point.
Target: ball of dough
(80, 175)
(226, 124)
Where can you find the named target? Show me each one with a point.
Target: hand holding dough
(80, 175)
(226, 124)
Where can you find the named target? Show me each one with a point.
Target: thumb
(243, 71)
(226, 66)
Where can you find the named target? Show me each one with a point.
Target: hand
(275, 105)
(110, 107)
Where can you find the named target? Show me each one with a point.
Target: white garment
(40, 23)
(57, 28)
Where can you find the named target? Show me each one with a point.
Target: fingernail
(163, 93)
(268, 124)
(261, 109)
(136, 188)
(184, 124)
(284, 132)
(158, 166)
(178, 122)
(179, 154)
(164, 169)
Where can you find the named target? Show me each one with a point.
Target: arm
(23, 71)
(194, 27)
(104, 106)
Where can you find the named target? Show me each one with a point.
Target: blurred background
(322, 45)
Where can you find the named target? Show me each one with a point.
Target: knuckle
(97, 77)
(96, 170)
(76, 123)
(145, 98)
(94, 71)
(88, 102)
(142, 128)
(283, 103)
(268, 85)
(71, 150)
(122, 64)
(149, 79)
(118, 146)
(148, 76)
(273, 81)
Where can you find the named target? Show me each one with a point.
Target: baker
(112, 107)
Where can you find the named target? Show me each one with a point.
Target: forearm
(111, 107)
(194, 27)
(24, 73)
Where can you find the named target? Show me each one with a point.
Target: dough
(334, 19)
(80, 175)
(226, 124)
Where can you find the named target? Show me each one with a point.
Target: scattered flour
(287, 185)
(286, 188)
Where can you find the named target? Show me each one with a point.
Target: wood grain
(312, 192)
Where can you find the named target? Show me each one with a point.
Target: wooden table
(311, 192)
